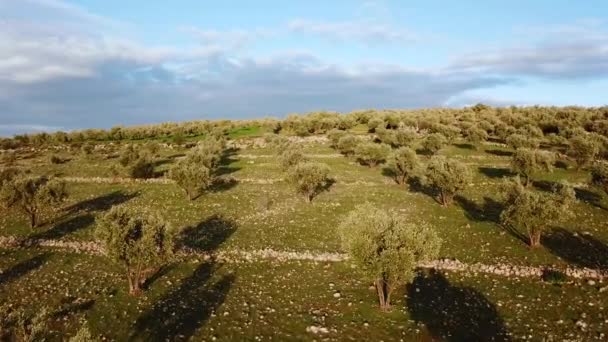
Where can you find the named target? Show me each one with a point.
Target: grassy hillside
(263, 299)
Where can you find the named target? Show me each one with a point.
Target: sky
(73, 64)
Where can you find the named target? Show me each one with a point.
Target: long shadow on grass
(22, 268)
(181, 312)
(453, 313)
(495, 172)
(102, 203)
(488, 211)
(578, 249)
(66, 227)
(500, 153)
(207, 235)
(225, 161)
(416, 185)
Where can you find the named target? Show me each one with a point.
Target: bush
(309, 179)
(347, 144)
(55, 159)
(386, 136)
(375, 123)
(142, 168)
(448, 177)
(140, 242)
(584, 150)
(534, 211)
(403, 163)
(153, 147)
(433, 143)
(32, 196)
(525, 162)
(372, 154)
(208, 153)
(517, 141)
(87, 149)
(128, 155)
(291, 157)
(387, 247)
(334, 136)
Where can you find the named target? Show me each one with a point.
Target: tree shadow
(415, 184)
(488, 211)
(543, 185)
(500, 153)
(72, 306)
(208, 235)
(226, 159)
(560, 164)
(102, 203)
(465, 146)
(181, 312)
(454, 313)
(580, 249)
(223, 184)
(589, 197)
(495, 172)
(157, 275)
(22, 268)
(66, 227)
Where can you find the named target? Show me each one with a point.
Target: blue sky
(69, 64)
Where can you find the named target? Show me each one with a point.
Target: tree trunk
(380, 288)
(33, 220)
(444, 198)
(534, 236)
(134, 285)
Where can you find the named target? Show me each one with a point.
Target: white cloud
(366, 32)
(562, 52)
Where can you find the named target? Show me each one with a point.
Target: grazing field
(296, 283)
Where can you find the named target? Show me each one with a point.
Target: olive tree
(334, 136)
(405, 136)
(372, 154)
(139, 241)
(32, 196)
(434, 142)
(447, 177)
(347, 144)
(403, 163)
(583, 149)
(387, 247)
(526, 161)
(475, 135)
(535, 211)
(309, 179)
(191, 176)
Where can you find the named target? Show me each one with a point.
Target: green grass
(244, 132)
